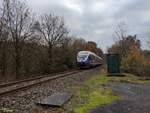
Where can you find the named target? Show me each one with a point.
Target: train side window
(90, 58)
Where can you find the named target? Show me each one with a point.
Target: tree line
(41, 45)
(133, 58)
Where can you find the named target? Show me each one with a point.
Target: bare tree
(19, 23)
(53, 30)
(121, 30)
(121, 34)
(3, 41)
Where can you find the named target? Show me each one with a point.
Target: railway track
(13, 87)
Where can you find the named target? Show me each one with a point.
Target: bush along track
(91, 94)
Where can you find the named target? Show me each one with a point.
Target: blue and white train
(87, 59)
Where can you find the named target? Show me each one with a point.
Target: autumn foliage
(132, 57)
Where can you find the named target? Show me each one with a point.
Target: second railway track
(12, 87)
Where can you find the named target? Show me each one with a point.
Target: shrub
(135, 62)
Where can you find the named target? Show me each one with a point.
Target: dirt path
(136, 99)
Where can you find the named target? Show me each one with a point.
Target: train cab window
(91, 57)
(82, 57)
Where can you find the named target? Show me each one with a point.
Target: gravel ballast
(24, 101)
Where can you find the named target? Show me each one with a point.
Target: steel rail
(24, 84)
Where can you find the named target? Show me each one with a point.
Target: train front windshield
(82, 57)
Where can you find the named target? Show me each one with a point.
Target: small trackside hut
(113, 63)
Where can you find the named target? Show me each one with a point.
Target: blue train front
(86, 59)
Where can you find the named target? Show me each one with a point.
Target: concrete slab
(58, 99)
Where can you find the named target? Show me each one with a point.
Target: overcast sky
(96, 20)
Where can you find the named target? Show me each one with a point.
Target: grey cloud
(96, 19)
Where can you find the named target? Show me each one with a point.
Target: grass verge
(92, 94)
(6, 110)
(129, 78)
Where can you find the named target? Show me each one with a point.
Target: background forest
(32, 45)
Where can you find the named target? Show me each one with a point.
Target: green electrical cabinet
(113, 63)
